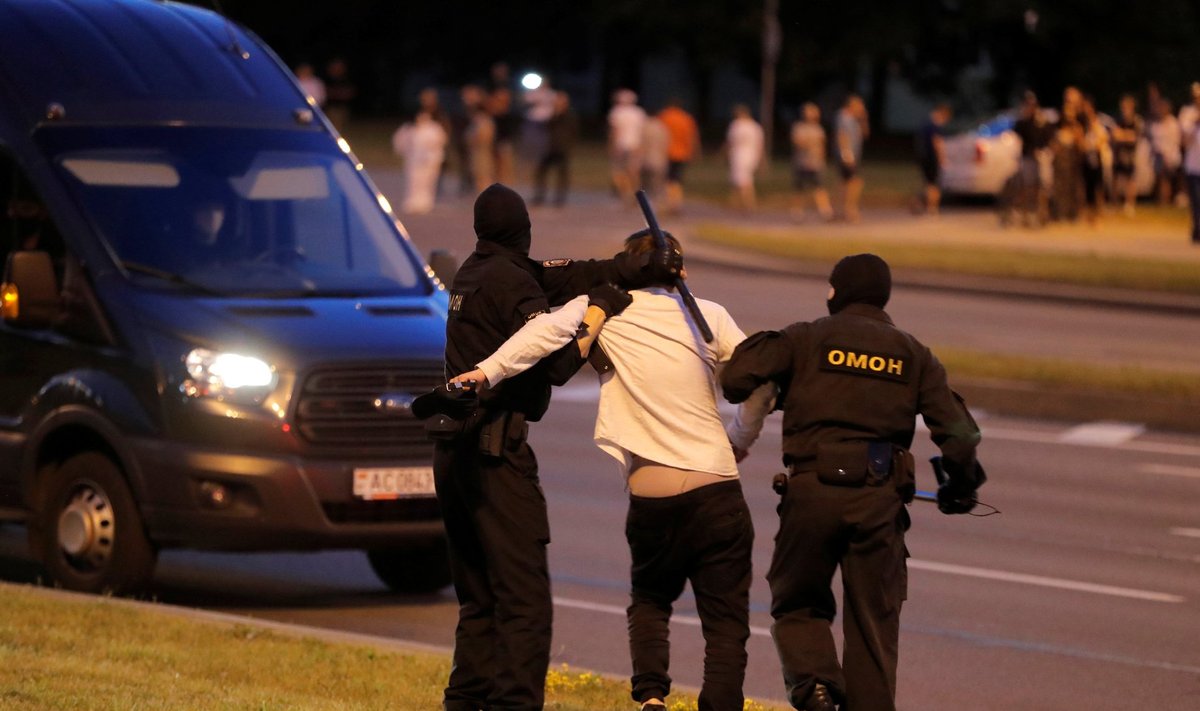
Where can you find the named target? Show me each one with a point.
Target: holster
(500, 430)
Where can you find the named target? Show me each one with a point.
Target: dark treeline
(1104, 46)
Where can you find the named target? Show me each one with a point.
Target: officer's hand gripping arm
(760, 358)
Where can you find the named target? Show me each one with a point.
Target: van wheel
(88, 532)
(421, 567)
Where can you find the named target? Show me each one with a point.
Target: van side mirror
(444, 265)
(31, 297)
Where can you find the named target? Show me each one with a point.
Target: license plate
(386, 483)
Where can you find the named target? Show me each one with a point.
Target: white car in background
(979, 161)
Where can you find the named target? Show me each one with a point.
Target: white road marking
(1185, 532)
(1170, 470)
(1102, 433)
(1043, 581)
(690, 620)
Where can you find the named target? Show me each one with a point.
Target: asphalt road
(1082, 594)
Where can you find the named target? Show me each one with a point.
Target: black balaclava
(501, 217)
(860, 279)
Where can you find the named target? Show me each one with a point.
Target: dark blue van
(213, 325)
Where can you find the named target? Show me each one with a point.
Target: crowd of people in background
(1073, 159)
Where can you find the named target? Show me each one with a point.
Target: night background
(709, 52)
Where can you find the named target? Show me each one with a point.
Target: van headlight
(221, 375)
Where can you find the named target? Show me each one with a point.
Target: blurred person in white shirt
(626, 126)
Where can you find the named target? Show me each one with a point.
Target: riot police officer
(851, 386)
(485, 473)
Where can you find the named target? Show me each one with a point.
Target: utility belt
(859, 464)
(493, 430)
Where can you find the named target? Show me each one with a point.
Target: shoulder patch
(552, 263)
(858, 362)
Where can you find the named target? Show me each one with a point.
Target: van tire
(421, 567)
(88, 532)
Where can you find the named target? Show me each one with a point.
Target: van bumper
(275, 502)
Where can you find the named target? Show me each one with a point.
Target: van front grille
(341, 406)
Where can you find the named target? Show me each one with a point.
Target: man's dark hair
(642, 242)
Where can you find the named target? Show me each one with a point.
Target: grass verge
(62, 654)
(1082, 268)
(1126, 380)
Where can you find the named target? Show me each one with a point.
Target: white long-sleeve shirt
(659, 401)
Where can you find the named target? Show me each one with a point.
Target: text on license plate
(383, 483)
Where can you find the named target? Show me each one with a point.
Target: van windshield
(235, 211)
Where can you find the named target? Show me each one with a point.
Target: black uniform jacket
(854, 376)
(495, 292)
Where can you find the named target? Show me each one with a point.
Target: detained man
(658, 417)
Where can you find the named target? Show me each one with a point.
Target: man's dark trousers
(704, 536)
(862, 529)
(497, 528)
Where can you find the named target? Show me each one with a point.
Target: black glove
(662, 266)
(455, 400)
(610, 298)
(666, 264)
(951, 500)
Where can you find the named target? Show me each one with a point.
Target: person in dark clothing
(1029, 195)
(931, 156)
(851, 386)
(563, 128)
(485, 474)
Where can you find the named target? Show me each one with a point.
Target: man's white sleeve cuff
(493, 371)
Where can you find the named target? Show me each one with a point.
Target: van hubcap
(86, 527)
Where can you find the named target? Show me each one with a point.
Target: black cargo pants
(497, 529)
(704, 536)
(862, 530)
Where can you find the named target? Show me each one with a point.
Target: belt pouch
(443, 428)
(842, 463)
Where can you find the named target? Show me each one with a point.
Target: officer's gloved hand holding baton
(955, 496)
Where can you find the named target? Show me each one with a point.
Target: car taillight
(980, 151)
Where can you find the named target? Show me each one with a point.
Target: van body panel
(146, 62)
(203, 213)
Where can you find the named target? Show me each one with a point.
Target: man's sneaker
(654, 705)
(820, 700)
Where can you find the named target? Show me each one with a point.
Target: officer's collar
(868, 311)
(484, 246)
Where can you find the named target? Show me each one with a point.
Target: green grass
(63, 654)
(1131, 380)
(1071, 267)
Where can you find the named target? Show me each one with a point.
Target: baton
(660, 242)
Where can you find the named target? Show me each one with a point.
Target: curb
(1105, 297)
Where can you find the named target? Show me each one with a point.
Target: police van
(213, 325)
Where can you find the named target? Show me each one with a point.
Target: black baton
(660, 242)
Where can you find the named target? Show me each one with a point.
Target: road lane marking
(690, 620)
(1102, 434)
(1185, 532)
(1170, 470)
(1043, 581)
(1109, 436)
